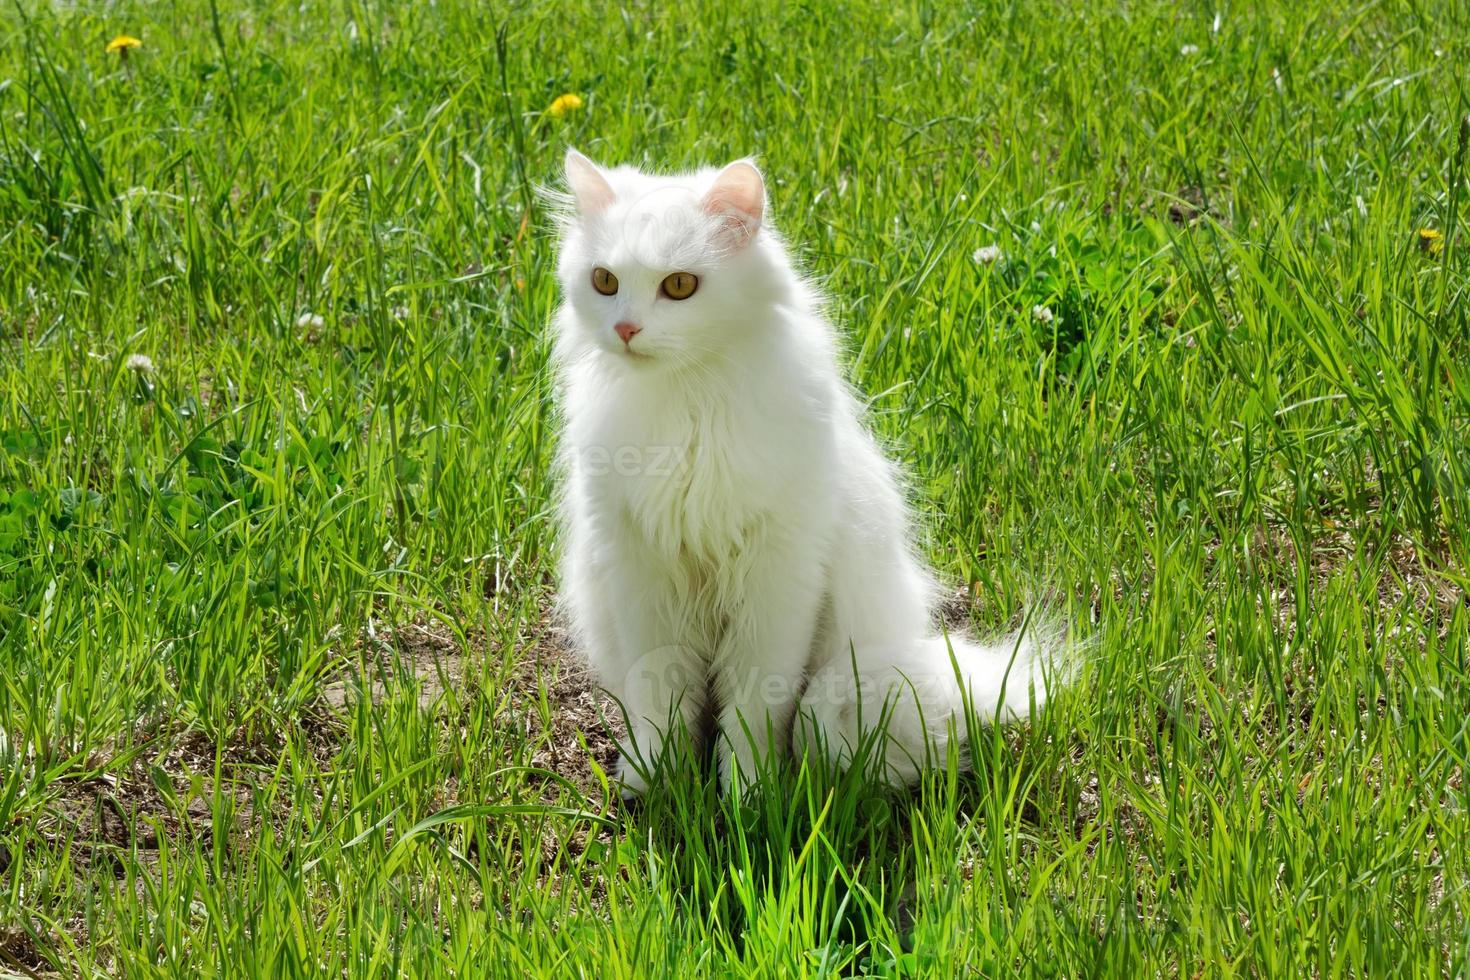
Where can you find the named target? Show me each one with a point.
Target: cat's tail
(897, 715)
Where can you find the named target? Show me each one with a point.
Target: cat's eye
(604, 281)
(680, 285)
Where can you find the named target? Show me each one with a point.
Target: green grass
(1239, 459)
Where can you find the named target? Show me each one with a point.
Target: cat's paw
(632, 783)
(742, 767)
(827, 720)
(735, 778)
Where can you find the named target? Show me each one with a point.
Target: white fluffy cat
(734, 539)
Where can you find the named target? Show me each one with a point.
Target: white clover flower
(309, 321)
(139, 364)
(400, 313)
(1042, 314)
(987, 254)
(1189, 50)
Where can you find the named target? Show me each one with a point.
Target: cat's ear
(588, 185)
(738, 195)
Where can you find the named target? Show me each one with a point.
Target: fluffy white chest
(696, 487)
(696, 490)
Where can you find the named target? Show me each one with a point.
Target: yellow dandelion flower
(122, 44)
(1431, 240)
(564, 104)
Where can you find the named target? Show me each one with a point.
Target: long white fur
(734, 539)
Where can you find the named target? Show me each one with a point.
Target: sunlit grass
(272, 603)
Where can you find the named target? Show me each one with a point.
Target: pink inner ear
(738, 195)
(588, 185)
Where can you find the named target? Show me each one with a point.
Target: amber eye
(680, 285)
(604, 281)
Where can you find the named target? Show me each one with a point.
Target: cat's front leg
(662, 699)
(762, 659)
(658, 679)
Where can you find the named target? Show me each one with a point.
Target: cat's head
(664, 270)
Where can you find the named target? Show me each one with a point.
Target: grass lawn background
(279, 693)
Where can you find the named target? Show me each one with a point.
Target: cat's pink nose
(627, 331)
